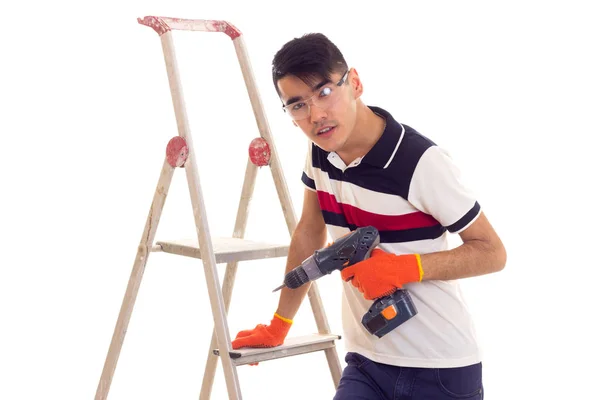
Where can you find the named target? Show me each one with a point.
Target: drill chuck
(305, 272)
(295, 278)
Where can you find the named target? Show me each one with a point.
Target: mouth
(326, 131)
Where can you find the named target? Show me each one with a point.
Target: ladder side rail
(200, 219)
(230, 272)
(135, 279)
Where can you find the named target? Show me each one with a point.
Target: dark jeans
(364, 379)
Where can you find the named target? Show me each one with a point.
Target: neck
(367, 131)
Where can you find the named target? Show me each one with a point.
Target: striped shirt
(410, 190)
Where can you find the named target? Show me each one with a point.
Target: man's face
(324, 110)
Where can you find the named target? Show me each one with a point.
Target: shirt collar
(384, 150)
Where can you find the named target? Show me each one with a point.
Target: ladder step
(226, 249)
(291, 347)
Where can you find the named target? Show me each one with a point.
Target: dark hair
(311, 58)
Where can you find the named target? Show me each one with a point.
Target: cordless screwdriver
(386, 313)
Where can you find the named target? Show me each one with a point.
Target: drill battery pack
(388, 312)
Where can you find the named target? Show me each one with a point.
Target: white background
(510, 88)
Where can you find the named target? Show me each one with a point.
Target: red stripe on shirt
(360, 217)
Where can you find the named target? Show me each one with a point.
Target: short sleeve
(436, 188)
(308, 177)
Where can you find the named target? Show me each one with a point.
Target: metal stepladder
(213, 251)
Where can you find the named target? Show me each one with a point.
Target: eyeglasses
(327, 96)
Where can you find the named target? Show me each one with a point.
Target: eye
(326, 91)
(297, 106)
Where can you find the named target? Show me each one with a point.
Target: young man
(365, 168)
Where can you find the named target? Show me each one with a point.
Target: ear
(355, 82)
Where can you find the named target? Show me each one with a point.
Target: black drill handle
(347, 250)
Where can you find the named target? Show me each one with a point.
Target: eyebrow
(298, 98)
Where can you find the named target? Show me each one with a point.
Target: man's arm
(310, 235)
(482, 252)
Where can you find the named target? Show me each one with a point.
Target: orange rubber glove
(264, 335)
(383, 273)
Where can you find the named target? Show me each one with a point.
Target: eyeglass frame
(342, 80)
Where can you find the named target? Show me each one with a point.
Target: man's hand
(264, 335)
(383, 273)
(310, 234)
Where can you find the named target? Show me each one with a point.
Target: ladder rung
(226, 249)
(291, 347)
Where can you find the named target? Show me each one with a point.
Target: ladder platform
(226, 249)
(291, 347)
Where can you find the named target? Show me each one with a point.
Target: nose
(317, 114)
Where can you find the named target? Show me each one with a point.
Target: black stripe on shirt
(389, 236)
(466, 219)
(393, 180)
(308, 182)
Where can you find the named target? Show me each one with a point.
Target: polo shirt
(411, 191)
